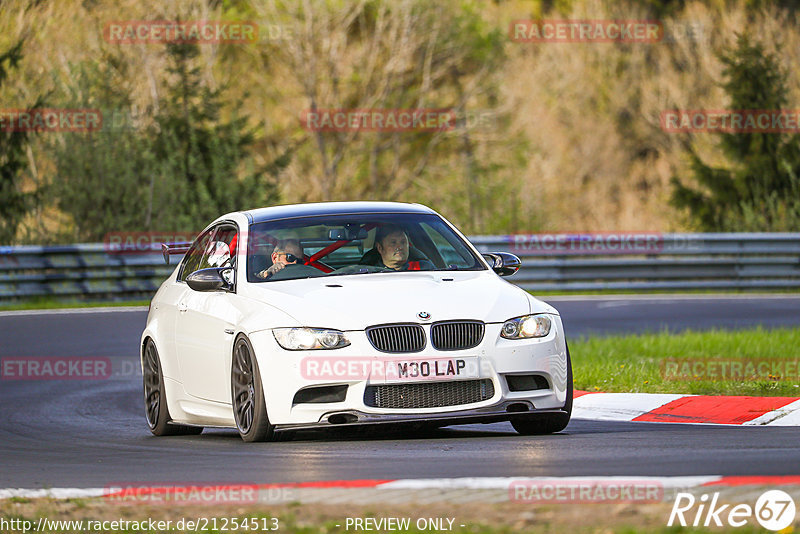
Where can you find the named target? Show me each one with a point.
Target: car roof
(331, 208)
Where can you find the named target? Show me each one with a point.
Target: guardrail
(598, 262)
(87, 270)
(555, 262)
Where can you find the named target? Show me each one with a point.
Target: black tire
(156, 411)
(247, 396)
(547, 423)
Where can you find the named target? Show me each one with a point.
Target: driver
(286, 252)
(392, 244)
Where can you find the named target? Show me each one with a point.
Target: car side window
(448, 251)
(216, 247)
(192, 259)
(221, 250)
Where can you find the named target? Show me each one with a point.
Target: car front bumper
(283, 375)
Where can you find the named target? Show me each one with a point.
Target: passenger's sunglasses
(289, 257)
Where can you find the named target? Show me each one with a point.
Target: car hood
(357, 301)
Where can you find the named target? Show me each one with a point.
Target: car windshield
(307, 247)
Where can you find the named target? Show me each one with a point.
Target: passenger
(391, 241)
(286, 252)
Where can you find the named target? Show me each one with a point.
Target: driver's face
(394, 250)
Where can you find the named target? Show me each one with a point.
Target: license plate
(432, 369)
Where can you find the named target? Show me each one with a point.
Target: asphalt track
(93, 433)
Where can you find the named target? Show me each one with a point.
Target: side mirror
(503, 263)
(212, 279)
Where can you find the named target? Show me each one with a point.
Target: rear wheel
(155, 397)
(247, 394)
(547, 423)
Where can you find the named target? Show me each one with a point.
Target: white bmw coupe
(347, 313)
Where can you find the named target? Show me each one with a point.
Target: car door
(206, 324)
(168, 303)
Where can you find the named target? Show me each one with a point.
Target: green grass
(657, 363)
(53, 303)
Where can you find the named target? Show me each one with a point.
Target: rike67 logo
(774, 510)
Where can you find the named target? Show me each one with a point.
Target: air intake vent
(397, 338)
(429, 394)
(456, 335)
(526, 382)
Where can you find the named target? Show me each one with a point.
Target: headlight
(527, 326)
(309, 338)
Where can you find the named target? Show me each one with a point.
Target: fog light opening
(526, 382)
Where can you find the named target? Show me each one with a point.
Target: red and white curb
(490, 489)
(671, 408)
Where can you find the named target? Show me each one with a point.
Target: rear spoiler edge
(168, 249)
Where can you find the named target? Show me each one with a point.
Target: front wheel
(547, 423)
(247, 394)
(155, 397)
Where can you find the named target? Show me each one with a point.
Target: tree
(14, 203)
(102, 176)
(385, 55)
(759, 191)
(172, 169)
(203, 163)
